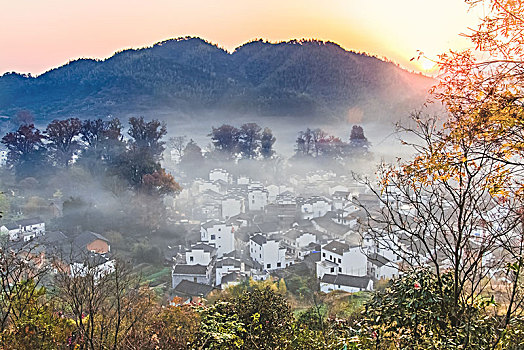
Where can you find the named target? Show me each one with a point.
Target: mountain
(306, 78)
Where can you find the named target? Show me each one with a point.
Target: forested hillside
(190, 75)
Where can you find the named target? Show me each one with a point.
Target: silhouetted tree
(26, 149)
(62, 135)
(148, 136)
(178, 144)
(266, 143)
(249, 137)
(225, 139)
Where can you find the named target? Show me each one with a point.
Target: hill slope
(190, 75)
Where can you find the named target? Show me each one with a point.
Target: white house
(315, 207)
(341, 199)
(218, 234)
(25, 229)
(97, 265)
(200, 254)
(337, 257)
(347, 283)
(232, 205)
(194, 273)
(226, 266)
(209, 185)
(219, 174)
(294, 240)
(381, 268)
(267, 252)
(257, 197)
(274, 191)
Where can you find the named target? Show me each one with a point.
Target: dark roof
(346, 280)
(189, 288)
(12, 226)
(184, 269)
(211, 223)
(259, 239)
(229, 262)
(83, 239)
(232, 277)
(30, 221)
(330, 226)
(203, 246)
(378, 260)
(268, 227)
(24, 222)
(341, 194)
(336, 247)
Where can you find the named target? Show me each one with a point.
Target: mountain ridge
(300, 78)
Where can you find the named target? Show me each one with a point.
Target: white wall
(220, 236)
(198, 257)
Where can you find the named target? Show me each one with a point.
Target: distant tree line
(318, 143)
(99, 146)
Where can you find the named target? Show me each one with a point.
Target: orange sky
(36, 35)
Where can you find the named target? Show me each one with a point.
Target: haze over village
(244, 175)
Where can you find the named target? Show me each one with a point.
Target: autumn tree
(62, 140)
(105, 307)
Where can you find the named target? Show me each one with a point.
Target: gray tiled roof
(183, 269)
(346, 280)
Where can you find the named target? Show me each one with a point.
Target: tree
(304, 143)
(357, 139)
(178, 144)
(249, 137)
(103, 144)
(225, 140)
(147, 136)
(416, 311)
(266, 143)
(160, 183)
(105, 307)
(26, 149)
(62, 137)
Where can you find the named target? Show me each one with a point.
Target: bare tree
(103, 305)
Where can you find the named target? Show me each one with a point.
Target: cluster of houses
(86, 252)
(248, 230)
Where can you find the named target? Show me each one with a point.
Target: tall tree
(249, 137)
(225, 139)
(266, 143)
(26, 149)
(62, 136)
(304, 143)
(178, 144)
(148, 136)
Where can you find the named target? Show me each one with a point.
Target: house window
(339, 260)
(323, 255)
(219, 229)
(260, 256)
(194, 279)
(339, 269)
(332, 269)
(191, 258)
(212, 236)
(279, 264)
(268, 266)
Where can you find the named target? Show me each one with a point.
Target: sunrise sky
(36, 35)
